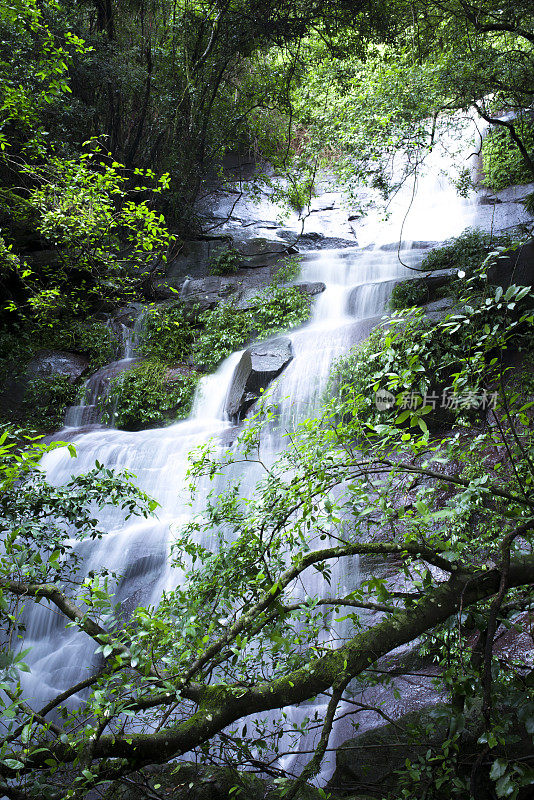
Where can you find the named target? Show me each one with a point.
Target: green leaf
(498, 768)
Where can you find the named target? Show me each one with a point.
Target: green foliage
(466, 252)
(288, 271)
(9, 262)
(409, 293)
(46, 401)
(169, 332)
(34, 63)
(148, 394)
(299, 193)
(225, 261)
(363, 86)
(97, 216)
(228, 328)
(90, 337)
(424, 364)
(236, 635)
(502, 161)
(178, 332)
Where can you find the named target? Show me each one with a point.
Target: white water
(359, 283)
(138, 548)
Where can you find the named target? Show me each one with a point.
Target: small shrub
(225, 262)
(90, 337)
(409, 293)
(227, 328)
(466, 252)
(502, 162)
(169, 333)
(288, 271)
(354, 375)
(147, 395)
(173, 334)
(299, 194)
(46, 401)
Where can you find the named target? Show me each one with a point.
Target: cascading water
(358, 284)
(138, 549)
(96, 389)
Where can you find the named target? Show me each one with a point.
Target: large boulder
(249, 300)
(314, 240)
(311, 288)
(45, 365)
(260, 252)
(193, 259)
(437, 278)
(371, 761)
(259, 365)
(208, 292)
(420, 288)
(514, 267)
(51, 363)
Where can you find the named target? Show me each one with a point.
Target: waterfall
(138, 549)
(358, 284)
(97, 388)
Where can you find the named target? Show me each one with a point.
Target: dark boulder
(371, 761)
(259, 365)
(208, 292)
(260, 252)
(437, 278)
(311, 288)
(50, 363)
(46, 364)
(513, 267)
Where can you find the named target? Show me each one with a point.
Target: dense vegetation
(461, 536)
(114, 119)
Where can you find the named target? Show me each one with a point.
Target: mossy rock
(373, 761)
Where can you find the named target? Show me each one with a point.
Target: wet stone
(259, 365)
(51, 363)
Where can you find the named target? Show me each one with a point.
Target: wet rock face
(207, 292)
(45, 364)
(193, 259)
(311, 288)
(259, 365)
(50, 363)
(515, 267)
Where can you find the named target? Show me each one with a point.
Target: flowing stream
(358, 285)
